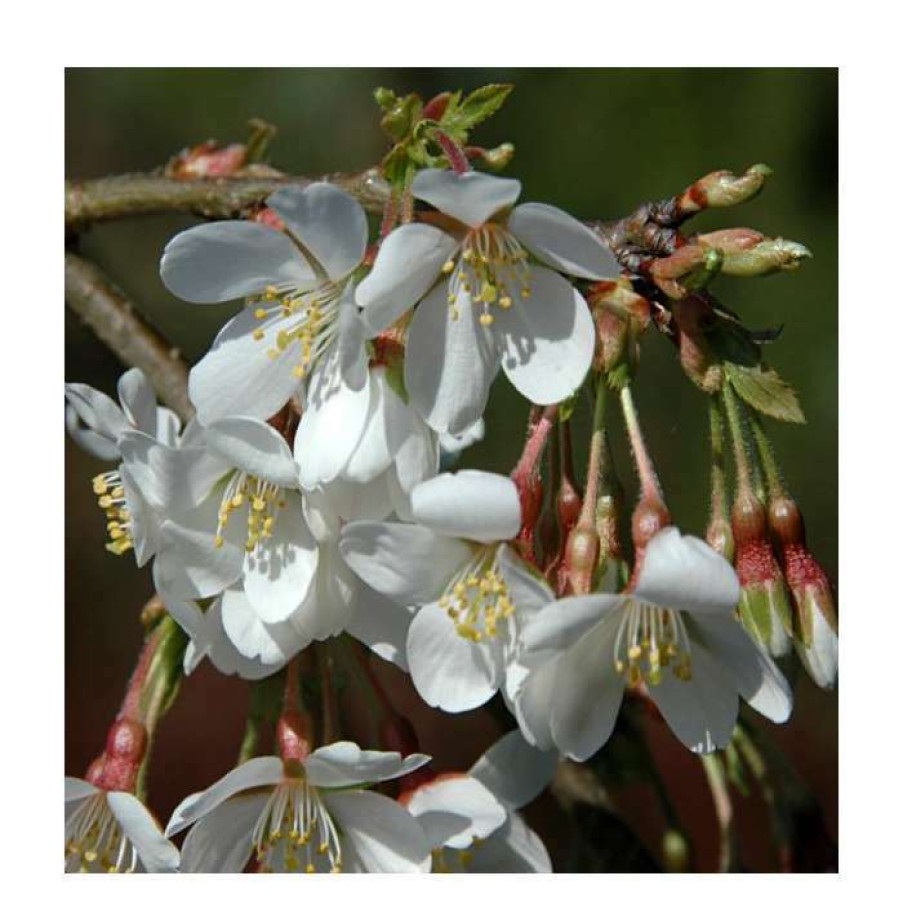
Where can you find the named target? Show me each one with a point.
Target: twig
(140, 194)
(103, 306)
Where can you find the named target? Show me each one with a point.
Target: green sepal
(755, 613)
(395, 380)
(763, 389)
(262, 133)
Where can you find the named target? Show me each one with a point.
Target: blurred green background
(594, 142)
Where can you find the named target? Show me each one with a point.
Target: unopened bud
(814, 613)
(675, 851)
(435, 107)
(293, 731)
(764, 607)
(724, 189)
(580, 557)
(495, 159)
(207, 161)
(693, 317)
(400, 113)
(772, 255)
(95, 770)
(720, 537)
(649, 517)
(123, 756)
(687, 270)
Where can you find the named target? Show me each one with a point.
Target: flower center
(651, 640)
(263, 500)
(477, 599)
(111, 498)
(94, 840)
(295, 831)
(449, 859)
(492, 270)
(314, 316)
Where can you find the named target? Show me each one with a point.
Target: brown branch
(139, 194)
(103, 307)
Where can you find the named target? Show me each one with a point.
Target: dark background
(594, 142)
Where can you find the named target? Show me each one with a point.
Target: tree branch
(139, 194)
(100, 304)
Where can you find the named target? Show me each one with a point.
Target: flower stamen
(477, 598)
(650, 640)
(264, 499)
(111, 499)
(95, 840)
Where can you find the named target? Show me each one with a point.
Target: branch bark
(139, 194)
(109, 313)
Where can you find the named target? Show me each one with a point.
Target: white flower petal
(263, 771)
(329, 222)
(138, 400)
(449, 363)
(684, 573)
(329, 603)
(345, 764)
(381, 624)
(471, 504)
(530, 594)
(756, 677)
(335, 410)
(450, 672)
(279, 572)
(547, 339)
(386, 425)
(271, 644)
(452, 446)
(514, 771)
(360, 501)
(512, 849)
(237, 375)
(77, 789)
(701, 711)
(533, 703)
(559, 626)
(471, 197)
(820, 658)
(406, 562)
(563, 242)
(156, 853)
(409, 262)
(220, 261)
(93, 443)
(98, 411)
(353, 359)
(222, 842)
(254, 447)
(459, 795)
(382, 834)
(587, 694)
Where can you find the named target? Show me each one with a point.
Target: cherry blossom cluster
(313, 500)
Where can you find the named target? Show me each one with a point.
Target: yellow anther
(237, 500)
(310, 868)
(505, 302)
(488, 293)
(486, 319)
(218, 541)
(448, 266)
(260, 314)
(258, 504)
(258, 334)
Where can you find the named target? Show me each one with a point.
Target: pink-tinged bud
(764, 606)
(720, 537)
(293, 730)
(95, 770)
(649, 516)
(693, 317)
(207, 161)
(123, 756)
(580, 557)
(530, 493)
(814, 613)
(724, 189)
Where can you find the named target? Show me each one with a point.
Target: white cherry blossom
(472, 594)
(112, 831)
(310, 817)
(675, 633)
(296, 281)
(492, 307)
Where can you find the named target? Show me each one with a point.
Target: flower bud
(123, 756)
(580, 557)
(495, 159)
(764, 607)
(815, 617)
(293, 730)
(720, 537)
(769, 255)
(207, 161)
(649, 516)
(724, 189)
(693, 318)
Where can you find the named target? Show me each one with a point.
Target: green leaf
(477, 107)
(763, 389)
